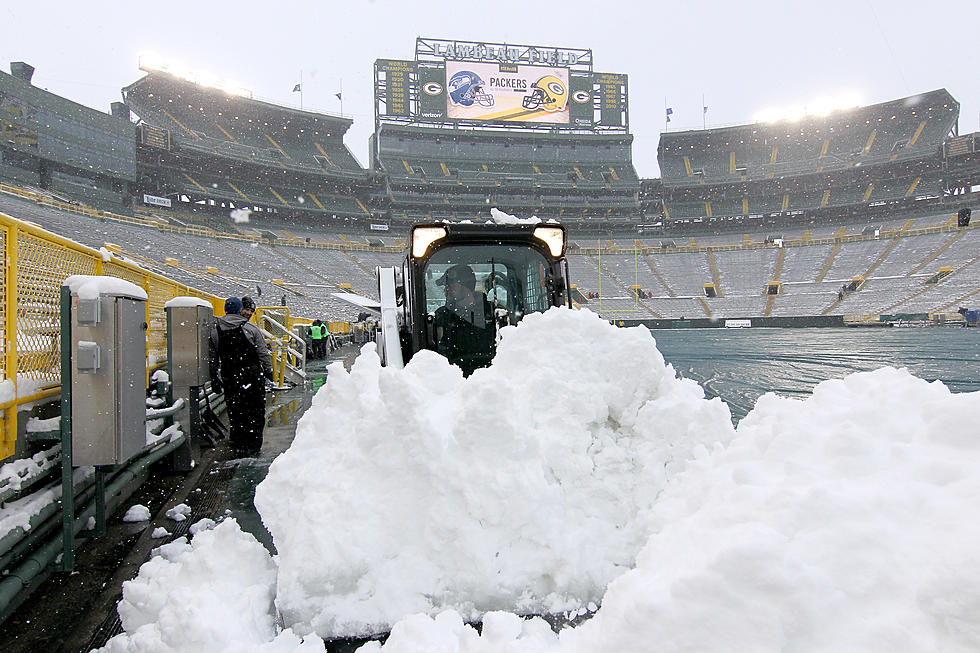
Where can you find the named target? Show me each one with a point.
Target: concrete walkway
(77, 612)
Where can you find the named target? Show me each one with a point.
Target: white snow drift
(848, 521)
(526, 487)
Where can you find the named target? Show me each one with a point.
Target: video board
(506, 92)
(453, 81)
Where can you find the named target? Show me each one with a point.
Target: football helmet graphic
(466, 89)
(548, 93)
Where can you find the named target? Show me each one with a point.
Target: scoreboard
(500, 84)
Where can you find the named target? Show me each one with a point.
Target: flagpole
(704, 113)
(301, 88)
(341, 96)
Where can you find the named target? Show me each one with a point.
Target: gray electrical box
(188, 328)
(108, 378)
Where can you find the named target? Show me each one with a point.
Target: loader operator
(240, 362)
(464, 326)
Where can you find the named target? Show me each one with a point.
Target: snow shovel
(208, 434)
(211, 421)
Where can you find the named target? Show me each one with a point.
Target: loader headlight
(422, 237)
(553, 237)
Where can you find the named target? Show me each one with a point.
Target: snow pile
(500, 217)
(201, 525)
(137, 513)
(24, 387)
(24, 471)
(37, 425)
(527, 487)
(19, 513)
(186, 301)
(179, 513)
(87, 286)
(446, 633)
(214, 594)
(845, 522)
(848, 521)
(8, 390)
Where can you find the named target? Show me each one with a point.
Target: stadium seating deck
(886, 132)
(212, 121)
(519, 172)
(307, 276)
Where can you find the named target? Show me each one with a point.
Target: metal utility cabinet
(188, 327)
(189, 321)
(108, 375)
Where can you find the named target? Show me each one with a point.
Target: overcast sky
(742, 57)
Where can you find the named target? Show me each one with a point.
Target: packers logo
(581, 96)
(432, 88)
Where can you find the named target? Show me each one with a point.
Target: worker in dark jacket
(240, 363)
(465, 325)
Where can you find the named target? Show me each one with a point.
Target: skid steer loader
(460, 283)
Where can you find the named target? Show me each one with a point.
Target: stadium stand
(888, 153)
(203, 147)
(867, 197)
(62, 147)
(904, 265)
(461, 173)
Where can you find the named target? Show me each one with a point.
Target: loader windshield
(473, 290)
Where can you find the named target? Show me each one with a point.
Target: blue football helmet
(466, 88)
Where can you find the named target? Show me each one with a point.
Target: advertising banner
(156, 201)
(581, 100)
(432, 91)
(506, 92)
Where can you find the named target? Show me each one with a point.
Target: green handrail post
(100, 474)
(67, 488)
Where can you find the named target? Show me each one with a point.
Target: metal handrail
(285, 356)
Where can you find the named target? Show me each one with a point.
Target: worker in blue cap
(240, 363)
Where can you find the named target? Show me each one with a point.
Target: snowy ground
(578, 470)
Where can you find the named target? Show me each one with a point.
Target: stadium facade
(51, 142)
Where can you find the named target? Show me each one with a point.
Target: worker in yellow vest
(318, 333)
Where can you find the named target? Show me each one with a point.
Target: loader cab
(465, 282)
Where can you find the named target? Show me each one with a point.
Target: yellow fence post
(281, 372)
(8, 443)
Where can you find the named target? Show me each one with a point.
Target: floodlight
(422, 237)
(553, 237)
(820, 106)
(151, 62)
